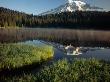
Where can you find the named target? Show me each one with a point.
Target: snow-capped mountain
(73, 5)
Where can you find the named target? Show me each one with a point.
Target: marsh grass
(79, 70)
(17, 55)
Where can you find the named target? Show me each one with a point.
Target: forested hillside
(78, 19)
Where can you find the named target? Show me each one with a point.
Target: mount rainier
(73, 5)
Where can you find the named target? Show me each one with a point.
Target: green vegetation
(79, 70)
(83, 20)
(18, 55)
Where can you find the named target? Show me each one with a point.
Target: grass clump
(79, 70)
(18, 55)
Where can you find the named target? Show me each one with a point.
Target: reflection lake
(102, 53)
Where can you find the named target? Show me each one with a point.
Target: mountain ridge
(72, 6)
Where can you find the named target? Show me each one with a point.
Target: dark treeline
(78, 19)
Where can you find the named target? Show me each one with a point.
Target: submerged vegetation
(78, 70)
(17, 55)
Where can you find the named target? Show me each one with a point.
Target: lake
(76, 37)
(102, 53)
(95, 42)
(60, 38)
(92, 43)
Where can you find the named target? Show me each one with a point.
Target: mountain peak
(79, 4)
(70, 1)
(73, 5)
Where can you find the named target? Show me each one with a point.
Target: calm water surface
(59, 53)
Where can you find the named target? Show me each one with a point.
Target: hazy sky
(38, 6)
